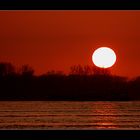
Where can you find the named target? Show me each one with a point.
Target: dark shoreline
(82, 84)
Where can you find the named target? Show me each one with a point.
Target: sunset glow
(58, 39)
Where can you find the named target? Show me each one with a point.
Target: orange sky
(56, 40)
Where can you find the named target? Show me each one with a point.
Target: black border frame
(70, 5)
(71, 134)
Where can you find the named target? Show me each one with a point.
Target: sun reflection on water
(106, 115)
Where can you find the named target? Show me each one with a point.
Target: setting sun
(104, 57)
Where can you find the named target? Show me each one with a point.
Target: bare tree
(58, 73)
(88, 70)
(76, 70)
(6, 69)
(26, 70)
(101, 71)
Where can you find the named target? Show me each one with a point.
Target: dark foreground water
(69, 115)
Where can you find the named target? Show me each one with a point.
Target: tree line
(83, 83)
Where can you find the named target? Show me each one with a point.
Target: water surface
(69, 115)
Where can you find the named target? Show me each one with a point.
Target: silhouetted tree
(83, 83)
(55, 73)
(26, 71)
(134, 88)
(88, 70)
(76, 70)
(101, 71)
(6, 69)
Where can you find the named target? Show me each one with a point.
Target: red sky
(56, 40)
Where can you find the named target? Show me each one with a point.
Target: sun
(104, 57)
